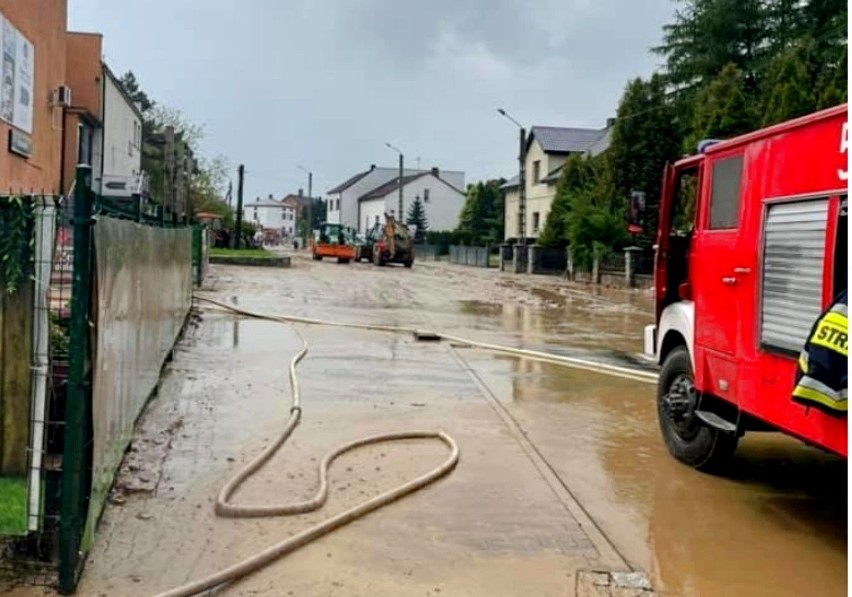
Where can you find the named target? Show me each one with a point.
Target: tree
(721, 109)
(706, 35)
(417, 217)
(833, 89)
(131, 86)
(788, 88)
(576, 176)
(481, 219)
(646, 135)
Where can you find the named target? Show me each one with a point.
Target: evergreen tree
(706, 35)
(575, 177)
(721, 109)
(833, 88)
(788, 89)
(647, 135)
(417, 217)
(481, 219)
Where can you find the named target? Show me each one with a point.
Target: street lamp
(522, 179)
(401, 160)
(310, 197)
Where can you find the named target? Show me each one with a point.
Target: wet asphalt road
(561, 470)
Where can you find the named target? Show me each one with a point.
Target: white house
(442, 201)
(272, 214)
(547, 150)
(121, 143)
(343, 203)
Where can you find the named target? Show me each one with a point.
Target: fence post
(519, 258)
(532, 259)
(72, 512)
(631, 256)
(197, 252)
(569, 263)
(596, 266)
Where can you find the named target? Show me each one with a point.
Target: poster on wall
(17, 72)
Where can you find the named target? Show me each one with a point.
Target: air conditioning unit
(62, 96)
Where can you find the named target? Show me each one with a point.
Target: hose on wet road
(227, 509)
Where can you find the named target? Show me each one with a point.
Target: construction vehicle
(751, 247)
(392, 242)
(333, 240)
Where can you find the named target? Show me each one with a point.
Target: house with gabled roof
(441, 200)
(547, 149)
(343, 202)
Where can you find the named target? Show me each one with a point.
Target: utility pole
(240, 175)
(400, 215)
(309, 228)
(522, 178)
(310, 203)
(522, 189)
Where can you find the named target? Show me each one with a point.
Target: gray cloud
(278, 83)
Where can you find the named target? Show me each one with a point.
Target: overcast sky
(325, 83)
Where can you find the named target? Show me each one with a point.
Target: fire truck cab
(751, 247)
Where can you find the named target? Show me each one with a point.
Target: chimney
(270, 195)
(610, 122)
(301, 192)
(435, 172)
(372, 167)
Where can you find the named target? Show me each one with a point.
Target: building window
(283, 215)
(425, 195)
(536, 221)
(338, 205)
(377, 219)
(537, 171)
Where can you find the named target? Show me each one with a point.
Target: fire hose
(227, 509)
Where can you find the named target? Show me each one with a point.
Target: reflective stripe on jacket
(823, 370)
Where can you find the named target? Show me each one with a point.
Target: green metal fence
(147, 264)
(87, 285)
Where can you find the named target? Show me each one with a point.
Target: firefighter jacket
(821, 381)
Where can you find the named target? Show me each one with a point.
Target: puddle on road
(773, 525)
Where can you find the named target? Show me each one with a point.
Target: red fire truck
(751, 246)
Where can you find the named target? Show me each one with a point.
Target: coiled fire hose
(227, 509)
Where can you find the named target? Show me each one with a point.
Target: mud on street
(561, 471)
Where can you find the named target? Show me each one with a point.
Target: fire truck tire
(687, 438)
(409, 263)
(317, 257)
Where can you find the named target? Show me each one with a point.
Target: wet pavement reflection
(774, 524)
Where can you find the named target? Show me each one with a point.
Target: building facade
(103, 127)
(442, 202)
(343, 201)
(270, 214)
(30, 111)
(547, 150)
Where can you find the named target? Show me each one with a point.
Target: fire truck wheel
(688, 438)
(408, 263)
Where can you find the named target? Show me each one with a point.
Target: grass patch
(13, 506)
(241, 253)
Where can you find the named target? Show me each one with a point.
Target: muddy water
(774, 524)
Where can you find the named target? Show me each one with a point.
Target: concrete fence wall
(627, 269)
(471, 256)
(427, 252)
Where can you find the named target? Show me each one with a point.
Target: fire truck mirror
(636, 215)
